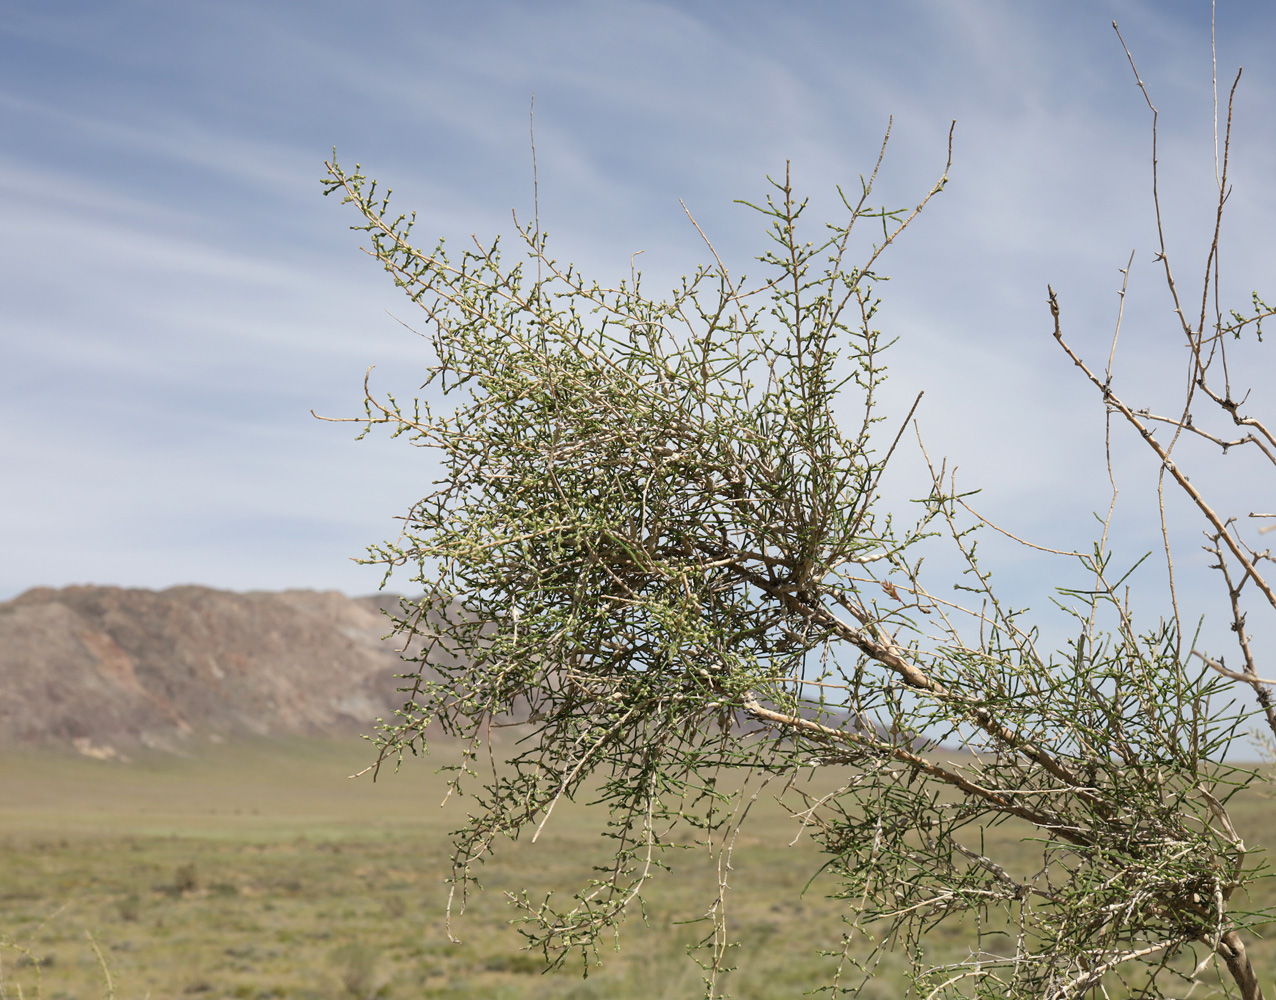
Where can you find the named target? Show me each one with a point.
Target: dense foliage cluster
(658, 553)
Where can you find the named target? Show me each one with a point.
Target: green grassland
(263, 870)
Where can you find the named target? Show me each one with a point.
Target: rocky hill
(103, 669)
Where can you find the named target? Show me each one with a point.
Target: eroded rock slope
(105, 668)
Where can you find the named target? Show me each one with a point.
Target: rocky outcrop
(105, 668)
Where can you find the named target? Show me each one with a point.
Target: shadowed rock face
(104, 667)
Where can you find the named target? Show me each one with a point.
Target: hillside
(104, 668)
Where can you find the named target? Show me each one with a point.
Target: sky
(176, 296)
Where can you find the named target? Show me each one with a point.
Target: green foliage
(658, 550)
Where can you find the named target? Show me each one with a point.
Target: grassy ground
(263, 871)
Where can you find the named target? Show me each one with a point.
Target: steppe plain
(261, 869)
(207, 841)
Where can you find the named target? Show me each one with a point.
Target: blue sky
(176, 296)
